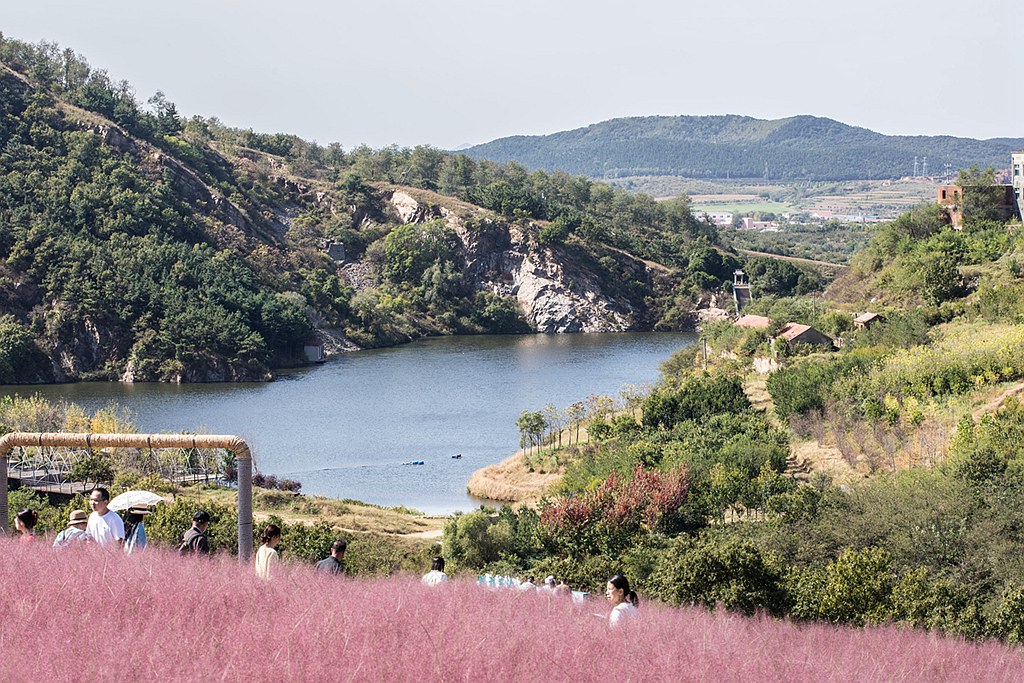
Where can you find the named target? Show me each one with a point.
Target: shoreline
(510, 481)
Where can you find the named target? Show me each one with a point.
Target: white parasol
(130, 498)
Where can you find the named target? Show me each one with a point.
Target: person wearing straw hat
(75, 533)
(134, 529)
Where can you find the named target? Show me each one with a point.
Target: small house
(795, 333)
(866, 320)
(314, 352)
(753, 322)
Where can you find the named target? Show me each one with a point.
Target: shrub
(167, 523)
(855, 588)
(484, 537)
(610, 517)
(694, 399)
(712, 570)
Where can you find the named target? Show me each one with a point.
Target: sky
(449, 73)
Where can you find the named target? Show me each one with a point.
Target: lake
(343, 428)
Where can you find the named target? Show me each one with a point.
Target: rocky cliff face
(554, 291)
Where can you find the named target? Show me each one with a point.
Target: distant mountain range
(799, 147)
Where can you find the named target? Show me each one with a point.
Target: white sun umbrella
(130, 498)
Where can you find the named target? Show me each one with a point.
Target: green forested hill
(799, 147)
(139, 245)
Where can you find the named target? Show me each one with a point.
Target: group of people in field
(624, 600)
(104, 527)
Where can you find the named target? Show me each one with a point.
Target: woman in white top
(624, 600)
(436, 575)
(266, 556)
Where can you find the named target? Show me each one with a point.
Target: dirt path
(806, 456)
(796, 259)
(997, 402)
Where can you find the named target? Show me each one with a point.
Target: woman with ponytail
(624, 601)
(25, 522)
(266, 556)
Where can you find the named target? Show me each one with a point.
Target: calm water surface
(345, 427)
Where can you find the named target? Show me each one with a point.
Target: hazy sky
(451, 72)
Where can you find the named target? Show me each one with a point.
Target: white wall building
(1017, 178)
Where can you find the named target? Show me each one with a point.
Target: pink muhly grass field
(89, 615)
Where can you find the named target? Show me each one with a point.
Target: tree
(168, 122)
(982, 196)
(575, 413)
(715, 570)
(531, 426)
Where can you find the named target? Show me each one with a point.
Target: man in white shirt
(105, 526)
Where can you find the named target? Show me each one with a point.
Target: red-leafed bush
(608, 518)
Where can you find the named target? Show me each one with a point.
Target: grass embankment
(346, 515)
(512, 480)
(171, 618)
(518, 479)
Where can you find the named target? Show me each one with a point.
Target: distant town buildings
(721, 219)
(1006, 203)
(751, 224)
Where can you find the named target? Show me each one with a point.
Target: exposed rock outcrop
(554, 292)
(335, 342)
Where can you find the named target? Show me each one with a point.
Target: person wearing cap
(134, 529)
(75, 533)
(549, 584)
(105, 526)
(194, 540)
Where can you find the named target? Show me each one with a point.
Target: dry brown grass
(756, 389)
(344, 515)
(511, 481)
(991, 403)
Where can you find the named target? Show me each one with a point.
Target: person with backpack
(194, 540)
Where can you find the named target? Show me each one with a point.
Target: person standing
(105, 527)
(25, 522)
(624, 600)
(75, 533)
(194, 540)
(436, 575)
(135, 530)
(335, 563)
(266, 556)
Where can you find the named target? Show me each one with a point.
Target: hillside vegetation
(795, 148)
(700, 497)
(141, 246)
